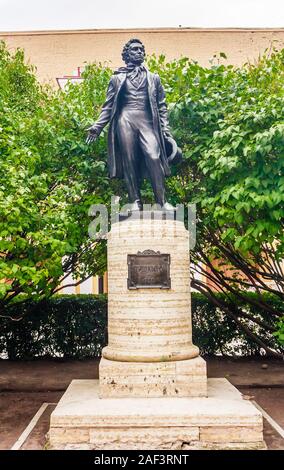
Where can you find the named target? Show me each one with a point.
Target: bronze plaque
(148, 269)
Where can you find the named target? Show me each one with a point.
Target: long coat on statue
(110, 111)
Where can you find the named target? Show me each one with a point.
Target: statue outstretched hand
(92, 135)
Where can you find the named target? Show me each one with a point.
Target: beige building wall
(59, 53)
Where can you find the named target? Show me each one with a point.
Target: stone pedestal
(156, 379)
(149, 324)
(224, 420)
(152, 392)
(150, 351)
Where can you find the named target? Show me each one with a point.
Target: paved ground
(24, 386)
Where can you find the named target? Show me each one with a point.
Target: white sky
(23, 15)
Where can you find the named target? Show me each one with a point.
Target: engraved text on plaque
(148, 269)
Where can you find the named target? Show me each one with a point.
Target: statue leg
(151, 151)
(127, 138)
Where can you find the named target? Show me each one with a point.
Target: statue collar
(130, 68)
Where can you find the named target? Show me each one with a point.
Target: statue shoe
(168, 207)
(136, 205)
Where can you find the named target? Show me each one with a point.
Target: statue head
(133, 51)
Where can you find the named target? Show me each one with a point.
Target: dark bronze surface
(149, 269)
(140, 144)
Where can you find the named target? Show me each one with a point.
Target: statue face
(136, 53)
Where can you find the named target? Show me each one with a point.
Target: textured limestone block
(223, 420)
(260, 445)
(157, 379)
(77, 446)
(137, 438)
(70, 435)
(149, 325)
(231, 434)
(193, 445)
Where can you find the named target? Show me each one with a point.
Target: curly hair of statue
(124, 55)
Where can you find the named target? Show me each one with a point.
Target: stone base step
(223, 420)
(185, 378)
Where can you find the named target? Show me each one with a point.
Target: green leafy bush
(229, 122)
(65, 326)
(279, 334)
(216, 333)
(49, 178)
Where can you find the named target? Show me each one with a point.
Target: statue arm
(105, 114)
(162, 107)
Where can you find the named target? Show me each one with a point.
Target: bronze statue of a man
(139, 132)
